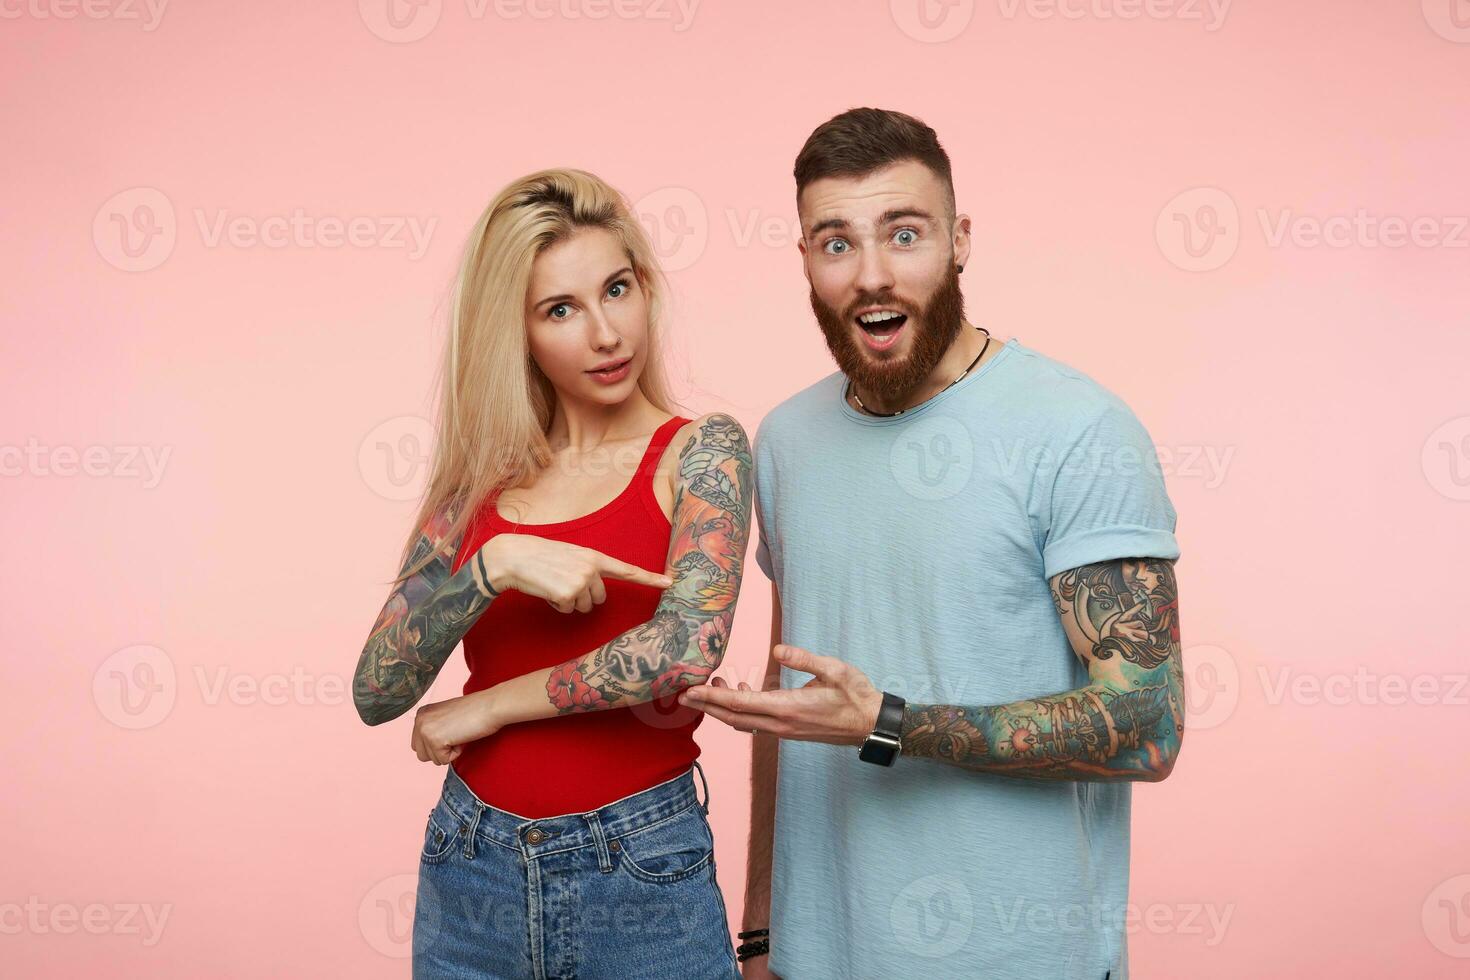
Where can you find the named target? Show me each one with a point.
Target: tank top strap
(662, 436)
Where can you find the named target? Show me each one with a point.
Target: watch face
(879, 749)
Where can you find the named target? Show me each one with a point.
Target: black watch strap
(883, 745)
(890, 716)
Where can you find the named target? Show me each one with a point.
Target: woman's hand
(568, 576)
(440, 730)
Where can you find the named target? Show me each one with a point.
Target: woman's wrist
(490, 572)
(492, 708)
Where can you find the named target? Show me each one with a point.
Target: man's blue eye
(833, 244)
(912, 236)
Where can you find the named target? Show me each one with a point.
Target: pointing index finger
(615, 568)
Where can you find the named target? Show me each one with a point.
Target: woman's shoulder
(718, 431)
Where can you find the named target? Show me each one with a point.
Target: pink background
(282, 390)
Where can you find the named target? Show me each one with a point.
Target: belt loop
(599, 840)
(700, 770)
(469, 841)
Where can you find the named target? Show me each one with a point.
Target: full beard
(886, 378)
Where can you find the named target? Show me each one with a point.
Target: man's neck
(967, 345)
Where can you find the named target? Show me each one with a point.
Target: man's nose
(873, 274)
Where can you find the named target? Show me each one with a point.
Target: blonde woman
(586, 543)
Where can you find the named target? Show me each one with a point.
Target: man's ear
(962, 239)
(806, 259)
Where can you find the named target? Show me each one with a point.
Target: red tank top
(576, 762)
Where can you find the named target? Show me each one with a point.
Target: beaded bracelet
(761, 946)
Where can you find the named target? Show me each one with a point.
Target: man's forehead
(906, 184)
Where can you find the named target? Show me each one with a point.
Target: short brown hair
(861, 141)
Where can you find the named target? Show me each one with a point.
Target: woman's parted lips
(609, 365)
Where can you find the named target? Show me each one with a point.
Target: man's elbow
(1162, 747)
(1161, 763)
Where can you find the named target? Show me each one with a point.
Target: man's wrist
(757, 911)
(753, 943)
(871, 706)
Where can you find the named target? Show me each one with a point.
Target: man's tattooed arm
(419, 627)
(685, 640)
(1122, 618)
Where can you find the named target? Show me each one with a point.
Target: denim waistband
(548, 835)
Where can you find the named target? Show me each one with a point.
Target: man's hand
(441, 729)
(839, 705)
(755, 968)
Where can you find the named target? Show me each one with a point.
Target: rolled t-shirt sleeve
(763, 556)
(763, 496)
(762, 550)
(1106, 498)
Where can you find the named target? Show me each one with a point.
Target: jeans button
(535, 836)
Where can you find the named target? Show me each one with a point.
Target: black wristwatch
(883, 746)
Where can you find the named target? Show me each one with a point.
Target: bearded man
(975, 643)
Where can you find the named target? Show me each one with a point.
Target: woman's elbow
(372, 707)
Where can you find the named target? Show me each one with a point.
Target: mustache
(886, 300)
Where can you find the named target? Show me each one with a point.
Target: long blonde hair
(495, 404)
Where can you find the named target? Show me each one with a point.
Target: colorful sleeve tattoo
(1122, 618)
(685, 640)
(419, 627)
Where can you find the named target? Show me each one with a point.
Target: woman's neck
(581, 426)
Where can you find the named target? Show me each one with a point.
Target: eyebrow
(564, 297)
(887, 217)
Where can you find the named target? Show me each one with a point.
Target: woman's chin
(610, 394)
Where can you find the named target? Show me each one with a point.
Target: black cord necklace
(889, 415)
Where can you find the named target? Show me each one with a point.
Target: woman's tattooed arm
(419, 627)
(1122, 618)
(685, 640)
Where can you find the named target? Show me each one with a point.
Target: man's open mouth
(881, 326)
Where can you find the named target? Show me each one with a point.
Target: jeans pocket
(438, 841)
(669, 851)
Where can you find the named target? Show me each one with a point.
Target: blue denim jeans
(626, 890)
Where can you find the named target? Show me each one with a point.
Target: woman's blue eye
(831, 248)
(552, 312)
(912, 236)
(621, 286)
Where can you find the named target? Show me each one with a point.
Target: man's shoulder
(1055, 391)
(1058, 376)
(793, 414)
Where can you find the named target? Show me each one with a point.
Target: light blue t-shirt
(918, 548)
